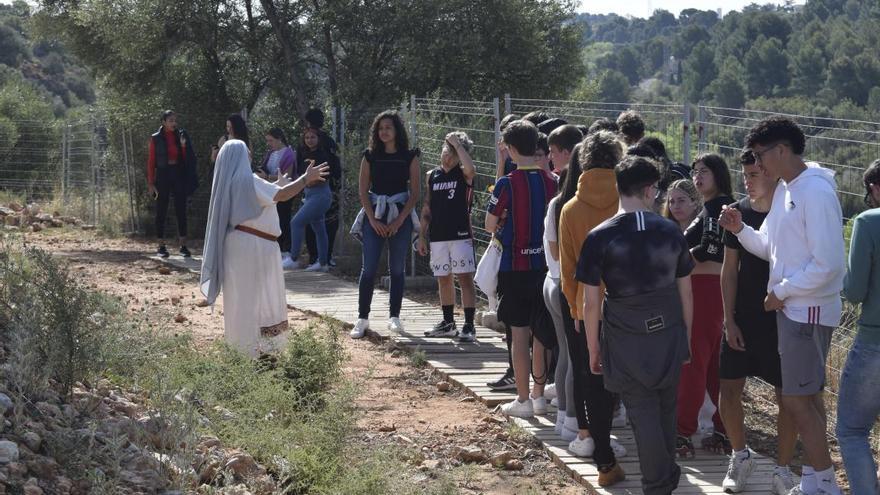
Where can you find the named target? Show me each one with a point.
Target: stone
(87, 227)
(36, 227)
(164, 270)
(32, 440)
(387, 428)
(63, 485)
(8, 452)
(242, 465)
(443, 386)
(514, 465)
(203, 303)
(489, 320)
(32, 488)
(431, 465)
(500, 459)
(49, 409)
(179, 318)
(471, 453)
(43, 467)
(208, 442)
(6, 405)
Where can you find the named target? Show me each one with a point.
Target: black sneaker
(717, 443)
(468, 333)
(184, 251)
(684, 448)
(506, 382)
(443, 329)
(163, 251)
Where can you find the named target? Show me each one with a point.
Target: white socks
(809, 485)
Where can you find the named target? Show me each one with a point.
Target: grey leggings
(564, 377)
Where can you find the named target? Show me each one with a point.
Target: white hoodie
(802, 238)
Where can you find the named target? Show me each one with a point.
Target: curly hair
(603, 124)
(601, 150)
(400, 137)
(746, 157)
(777, 129)
(463, 138)
(631, 125)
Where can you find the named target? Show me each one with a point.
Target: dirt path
(401, 404)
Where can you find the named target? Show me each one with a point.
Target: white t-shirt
(268, 220)
(550, 235)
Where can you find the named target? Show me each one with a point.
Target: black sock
(469, 315)
(448, 316)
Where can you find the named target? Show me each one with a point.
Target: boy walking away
(446, 223)
(859, 401)
(751, 342)
(646, 319)
(523, 196)
(802, 238)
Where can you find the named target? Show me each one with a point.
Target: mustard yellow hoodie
(596, 201)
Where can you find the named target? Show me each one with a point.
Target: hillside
(810, 58)
(56, 75)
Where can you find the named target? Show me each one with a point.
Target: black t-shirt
(389, 173)
(634, 253)
(704, 235)
(751, 285)
(451, 198)
(322, 155)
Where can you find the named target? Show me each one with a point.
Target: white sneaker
(550, 391)
(539, 405)
(783, 481)
(569, 429)
(560, 422)
(395, 325)
(582, 447)
(738, 472)
(619, 420)
(317, 267)
(618, 449)
(554, 402)
(360, 328)
(518, 409)
(288, 264)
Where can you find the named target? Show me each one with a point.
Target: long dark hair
(239, 127)
(400, 137)
(720, 171)
(278, 133)
(570, 182)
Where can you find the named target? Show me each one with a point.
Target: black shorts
(519, 293)
(761, 357)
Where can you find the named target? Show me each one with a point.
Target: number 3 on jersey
(451, 193)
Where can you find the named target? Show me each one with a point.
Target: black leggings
(170, 181)
(580, 362)
(284, 210)
(332, 223)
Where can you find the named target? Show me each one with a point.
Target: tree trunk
(282, 32)
(331, 58)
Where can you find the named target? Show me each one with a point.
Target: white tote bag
(486, 277)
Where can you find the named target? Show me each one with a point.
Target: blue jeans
(398, 246)
(857, 409)
(314, 207)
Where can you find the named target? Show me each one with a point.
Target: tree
(727, 90)
(808, 69)
(766, 65)
(613, 87)
(698, 71)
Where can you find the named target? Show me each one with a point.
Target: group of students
(661, 289)
(315, 222)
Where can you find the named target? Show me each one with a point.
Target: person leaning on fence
(446, 224)
(171, 171)
(522, 195)
(280, 160)
(750, 346)
(859, 402)
(642, 338)
(563, 141)
(712, 181)
(311, 149)
(595, 201)
(241, 255)
(631, 127)
(802, 238)
(312, 213)
(388, 191)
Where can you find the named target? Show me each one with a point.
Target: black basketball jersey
(451, 198)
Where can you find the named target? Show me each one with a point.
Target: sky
(644, 8)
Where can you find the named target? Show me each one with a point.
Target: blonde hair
(686, 186)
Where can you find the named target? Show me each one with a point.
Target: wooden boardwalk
(472, 365)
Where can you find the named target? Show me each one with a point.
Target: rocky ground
(401, 405)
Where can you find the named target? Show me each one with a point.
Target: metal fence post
(506, 103)
(701, 128)
(686, 134)
(64, 145)
(137, 201)
(496, 113)
(342, 183)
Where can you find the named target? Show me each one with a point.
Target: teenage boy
(751, 342)
(802, 238)
(446, 224)
(632, 127)
(523, 196)
(646, 320)
(561, 142)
